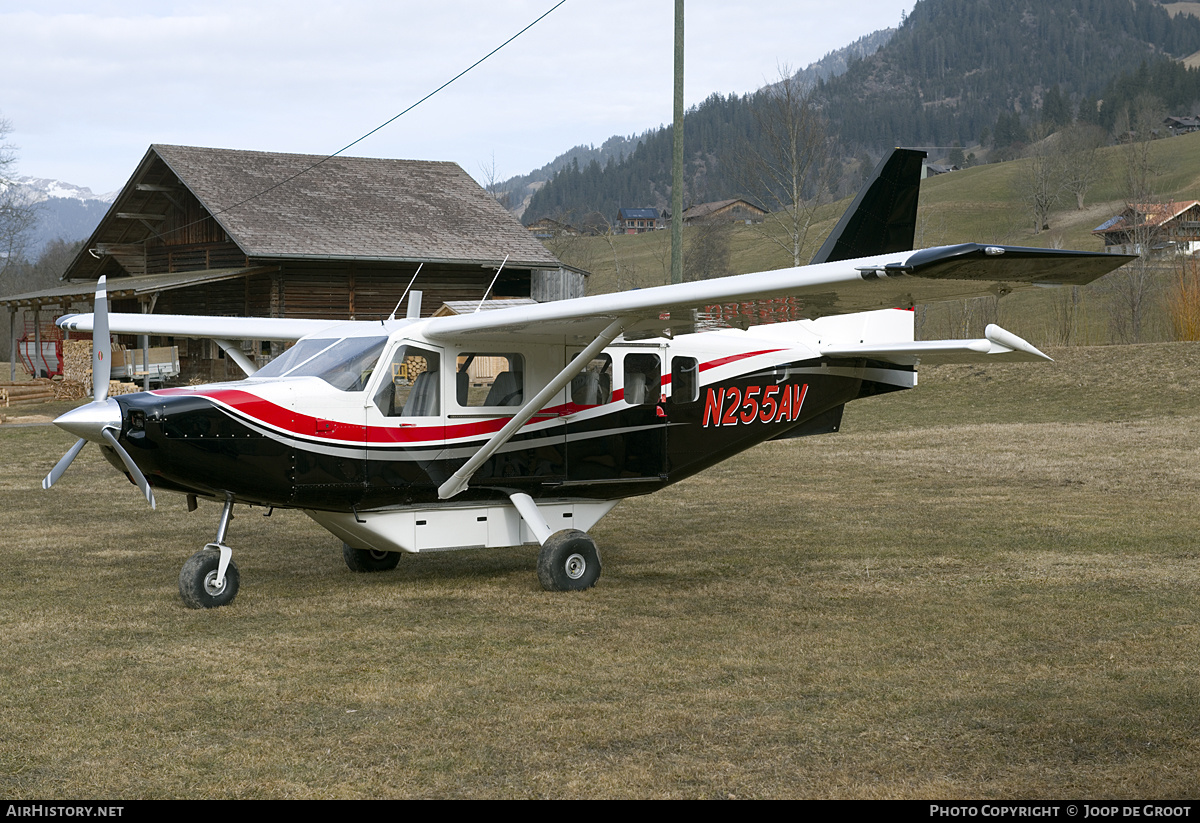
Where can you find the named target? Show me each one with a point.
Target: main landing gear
(568, 562)
(210, 578)
(369, 560)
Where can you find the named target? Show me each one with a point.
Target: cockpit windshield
(345, 363)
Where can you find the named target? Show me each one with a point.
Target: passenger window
(643, 376)
(685, 380)
(490, 379)
(411, 386)
(593, 386)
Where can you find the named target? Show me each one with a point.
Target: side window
(643, 376)
(489, 379)
(685, 380)
(411, 386)
(593, 386)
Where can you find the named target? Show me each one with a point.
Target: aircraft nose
(88, 421)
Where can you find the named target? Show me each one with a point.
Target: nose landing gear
(210, 578)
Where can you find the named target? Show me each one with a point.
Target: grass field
(987, 587)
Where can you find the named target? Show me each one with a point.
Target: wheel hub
(210, 584)
(576, 566)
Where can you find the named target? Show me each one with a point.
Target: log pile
(26, 394)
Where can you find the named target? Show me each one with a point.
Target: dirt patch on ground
(26, 419)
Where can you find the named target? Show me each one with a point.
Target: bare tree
(1039, 180)
(970, 317)
(706, 255)
(1080, 161)
(492, 182)
(787, 169)
(17, 213)
(1130, 290)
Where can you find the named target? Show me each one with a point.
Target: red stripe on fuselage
(304, 425)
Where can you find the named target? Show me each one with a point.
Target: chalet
(724, 211)
(1165, 228)
(261, 234)
(636, 221)
(934, 169)
(546, 228)
(1182, 125)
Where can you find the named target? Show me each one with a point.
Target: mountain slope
(65, 211)
(946, 76)
(954, 66)
(710, 128)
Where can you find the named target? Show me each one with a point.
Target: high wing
(896, 280)
(188, 325)
(876, 231)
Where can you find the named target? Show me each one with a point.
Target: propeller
(98, 420)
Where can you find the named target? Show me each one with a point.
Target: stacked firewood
(71, 389)
(121, 387)
(77, 361)
(77, 368)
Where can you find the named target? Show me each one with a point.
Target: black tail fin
(883, 217)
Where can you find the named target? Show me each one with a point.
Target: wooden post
(12, 352)
(677, 155)
(144, 339)
(37, 339)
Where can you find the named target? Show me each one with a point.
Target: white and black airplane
(526, 425)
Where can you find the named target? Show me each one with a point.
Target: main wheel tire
(369, 560)
(568, 562)
(197, 581)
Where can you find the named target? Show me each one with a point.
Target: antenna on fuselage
(415, 296)
(489, 288)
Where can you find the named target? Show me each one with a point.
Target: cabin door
(405, 428)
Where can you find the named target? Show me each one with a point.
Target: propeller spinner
(100, 420)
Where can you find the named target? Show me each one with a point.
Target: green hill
(980, 204)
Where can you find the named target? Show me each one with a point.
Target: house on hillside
(724, 211)
(546, 228)
(1163, 228)
(1182, 125)
(261, 234)
(934, 169)
(636, 221)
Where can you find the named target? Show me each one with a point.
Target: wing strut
(237, 355)
(458, 482)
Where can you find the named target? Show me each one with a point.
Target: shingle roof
(352, 207)
(705, 209)
(1152, 215)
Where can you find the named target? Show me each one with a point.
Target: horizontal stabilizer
(996, 344)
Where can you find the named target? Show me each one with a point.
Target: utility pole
(677, 155)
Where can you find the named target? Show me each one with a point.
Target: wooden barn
(247, 233)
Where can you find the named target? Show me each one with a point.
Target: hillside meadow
(988, 587)
(979, 204)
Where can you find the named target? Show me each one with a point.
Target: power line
(383, 125)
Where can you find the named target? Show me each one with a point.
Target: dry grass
(941, 601)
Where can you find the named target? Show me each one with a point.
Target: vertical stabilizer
(883, 217)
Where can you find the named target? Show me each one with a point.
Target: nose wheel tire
(369, 560)
(568, 562)
(198, 581)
